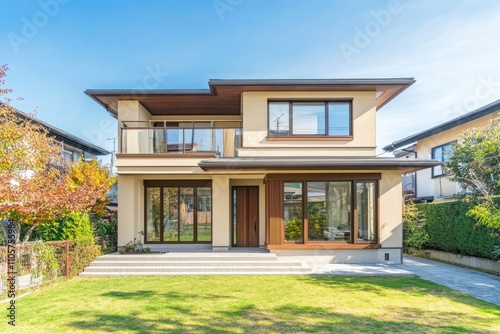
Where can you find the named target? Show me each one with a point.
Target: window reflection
(293, 212)
(329, 211)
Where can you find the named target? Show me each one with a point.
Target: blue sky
(58, 48)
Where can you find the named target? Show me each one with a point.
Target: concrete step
(102, 263)
(193, 263)
(193, 269)
(199, 273)
(187, 257)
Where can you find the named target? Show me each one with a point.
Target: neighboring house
(286, 165)
(435, 143)
(73, 148)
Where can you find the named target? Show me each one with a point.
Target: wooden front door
(246, 216)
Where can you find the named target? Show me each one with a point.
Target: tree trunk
(27, 235)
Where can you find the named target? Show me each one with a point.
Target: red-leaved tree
(36, 184)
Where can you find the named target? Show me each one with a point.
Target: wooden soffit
(224, 96)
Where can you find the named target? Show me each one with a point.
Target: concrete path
(475, 283)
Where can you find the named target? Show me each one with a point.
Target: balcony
(159, 138)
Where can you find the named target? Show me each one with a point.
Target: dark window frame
(195, 184)
(312, 136)
(433, 150)
(354, 180)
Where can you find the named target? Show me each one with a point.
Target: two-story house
(436, 143)
(287, 165)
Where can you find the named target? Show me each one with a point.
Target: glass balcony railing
(222, 142)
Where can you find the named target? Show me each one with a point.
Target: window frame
(325, 136)
(195, 184)
(354, 179)
(450, 144)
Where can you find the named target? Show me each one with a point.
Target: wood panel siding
(241, 216)
(274, 217)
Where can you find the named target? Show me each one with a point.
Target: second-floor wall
(251, 134)
(248, 119)
(314, 134)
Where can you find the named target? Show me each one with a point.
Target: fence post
(67, 258)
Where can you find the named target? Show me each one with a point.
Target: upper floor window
(68, 156)
(441, 153)
(331, 118)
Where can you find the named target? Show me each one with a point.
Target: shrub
(451, 229)
(47, 262)
(104, 227)
(414, 226)
(76, 225)
(81, 255)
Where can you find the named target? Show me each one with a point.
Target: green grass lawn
(251, 304)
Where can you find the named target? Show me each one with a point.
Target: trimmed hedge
(451, 230)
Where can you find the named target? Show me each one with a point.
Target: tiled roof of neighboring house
(470, 116)
(224, 96)
(308, 163)
(66, 137)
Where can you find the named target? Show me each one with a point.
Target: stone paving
(475, 283)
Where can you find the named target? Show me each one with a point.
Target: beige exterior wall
(442, 187)
(130, 208)
(391, 229)
(131, 215)
(254, 119)
(138, 165)
(254, 106)
(134, 170)
(132, 111)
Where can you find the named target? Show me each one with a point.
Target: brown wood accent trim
(309, 138)
(323, 246)
(325, 177)
(177, 183)
(274, 216)
(241, 216)
(165, 155)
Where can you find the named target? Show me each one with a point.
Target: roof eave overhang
(388, 89)
(403, 165)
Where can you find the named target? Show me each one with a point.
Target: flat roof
(465, 118)
(223, 97)
(68, 138)
(308, 163)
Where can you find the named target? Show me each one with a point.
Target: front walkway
(475, 283)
